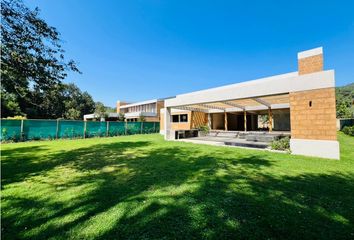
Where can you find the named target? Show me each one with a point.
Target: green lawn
(141, 187)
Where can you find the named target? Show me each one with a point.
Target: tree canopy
(344, 101)
(33, 67)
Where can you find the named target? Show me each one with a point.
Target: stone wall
(313, 114)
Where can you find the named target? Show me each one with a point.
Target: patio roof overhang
(262, 94)
(239, 105)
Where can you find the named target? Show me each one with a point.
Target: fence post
(85, 129)
(57, 130)
(141, 127)
(22, 133)
(125, 127)
(107, 129)
(154, 127)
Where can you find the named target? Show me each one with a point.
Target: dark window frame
(175, 118)
(181, 118)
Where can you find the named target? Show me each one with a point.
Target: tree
(141, 118)
(9, 104)
(121, 117)
(100, 110)
(77, 103)
(111, 109)
(72, 114)
(32, 59)
(344, 101)
(61, 101)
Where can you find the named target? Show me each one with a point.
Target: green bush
(281, 144)
(348, 130)
(204, 129)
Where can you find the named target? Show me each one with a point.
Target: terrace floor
(226, 141)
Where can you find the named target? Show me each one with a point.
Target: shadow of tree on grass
(138, 190)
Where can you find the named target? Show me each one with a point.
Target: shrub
(281, 144)
(348, 130)
(204, 129)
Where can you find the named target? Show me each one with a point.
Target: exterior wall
(159, 106)
(119, 104)
(176, 126)
(198, 119)
(315, 148)
(195, 120)
(310, 64)
(152, 119)
(218, 121)
(317, 121)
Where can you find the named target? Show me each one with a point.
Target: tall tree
(62, 101)
(344, 101)
(32, 58)
(77, 103)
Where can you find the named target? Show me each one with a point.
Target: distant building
(149, 109)
(109, 117)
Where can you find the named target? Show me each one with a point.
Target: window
(180, 118)
(175, 118)
(183, 118)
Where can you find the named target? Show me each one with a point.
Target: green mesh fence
(39, 129)
(133, 128)
(10, 130)
(53, 129)
(96, 129)
(149, 127)
(70, 129)
(157, 127)
(116, 128)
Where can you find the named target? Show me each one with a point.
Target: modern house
(300, 104)
(149, 109)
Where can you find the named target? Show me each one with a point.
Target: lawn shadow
(177, 192)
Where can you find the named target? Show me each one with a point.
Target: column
(245, 120)
(225, 120)
(270, 114)
(167, 119)
(209, 121)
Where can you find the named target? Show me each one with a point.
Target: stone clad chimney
(310, 61)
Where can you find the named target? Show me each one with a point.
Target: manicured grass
(141, 187)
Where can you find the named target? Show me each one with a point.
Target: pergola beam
(261, 101)
(211, 106)
(192, 109)
(234, 105)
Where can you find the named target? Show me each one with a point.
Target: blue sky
(139, 50)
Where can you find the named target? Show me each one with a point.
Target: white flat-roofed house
(301, 103)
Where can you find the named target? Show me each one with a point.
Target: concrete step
(245, 144)
(260, 138)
